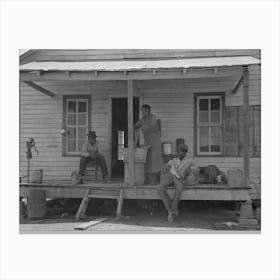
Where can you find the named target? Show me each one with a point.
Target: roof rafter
(39, 88)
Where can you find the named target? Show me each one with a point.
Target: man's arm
(173, 170)
(137, 125)
(99, 148)
(85, 152)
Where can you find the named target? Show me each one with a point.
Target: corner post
(246, 120)
(130, 132)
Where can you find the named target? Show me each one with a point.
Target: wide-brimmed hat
(183, 147)
(92, 134)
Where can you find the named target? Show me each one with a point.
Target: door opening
(120, 131)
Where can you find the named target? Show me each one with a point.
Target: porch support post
(130, 132)
(246, 125)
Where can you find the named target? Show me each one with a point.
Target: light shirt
(178, 166)
(91, 150)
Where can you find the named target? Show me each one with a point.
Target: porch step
(103, 196)
(89, 193)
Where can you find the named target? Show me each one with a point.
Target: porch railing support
(130, 132)
(246, 120)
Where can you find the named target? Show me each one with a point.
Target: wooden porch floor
(66, 189)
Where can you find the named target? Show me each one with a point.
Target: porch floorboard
(66, 189)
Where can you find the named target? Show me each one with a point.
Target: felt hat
(92, 134)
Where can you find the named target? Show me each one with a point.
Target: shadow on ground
(138, 215)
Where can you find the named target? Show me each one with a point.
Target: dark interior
(119, 123)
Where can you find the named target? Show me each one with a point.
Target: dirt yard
(138, 216)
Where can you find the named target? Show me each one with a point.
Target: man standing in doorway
(92, 152)
(179, 167)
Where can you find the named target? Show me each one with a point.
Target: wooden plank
(110, 138)
(39, 88)
(231, 131)
(87, 225)
(79, 55)
(135, 75)
(83, 205)
(120, 203)
(246, 126)
(130, 132)
(150, 192)
(238, 85)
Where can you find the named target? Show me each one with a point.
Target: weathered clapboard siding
(171, 101)
(41, 117)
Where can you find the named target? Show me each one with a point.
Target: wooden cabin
(102, 90)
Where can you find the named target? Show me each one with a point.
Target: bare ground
(138, 217)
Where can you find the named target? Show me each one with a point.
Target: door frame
(111, 96)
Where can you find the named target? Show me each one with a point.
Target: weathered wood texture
(130, 132)
(80, 55)
(147, 192)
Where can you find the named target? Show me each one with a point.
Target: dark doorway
(119, 131)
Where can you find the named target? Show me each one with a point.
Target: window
(209, 125)
(218, 129)
(76, 123)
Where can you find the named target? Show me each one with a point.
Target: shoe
(176, 213)
(170, 217)
(105, 179)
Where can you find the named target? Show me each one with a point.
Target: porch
(120, 191)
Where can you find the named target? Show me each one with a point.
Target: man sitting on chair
(92, 152)
(180, 167)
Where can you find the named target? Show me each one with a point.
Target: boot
(80, 181)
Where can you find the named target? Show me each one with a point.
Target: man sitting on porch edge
(92, 152)
(180, 167)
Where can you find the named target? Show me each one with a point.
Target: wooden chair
(91, 172)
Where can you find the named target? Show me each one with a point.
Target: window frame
(209, 96)
(66, 100)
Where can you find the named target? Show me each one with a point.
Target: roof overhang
(136, 69)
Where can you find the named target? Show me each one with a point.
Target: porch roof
(139, 65)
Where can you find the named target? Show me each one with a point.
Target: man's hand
(85, 154)
(176, 175)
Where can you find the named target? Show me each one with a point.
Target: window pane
(215, 139)
(203, 104)
(72, 132)
(80, 145)
(72, 107)
(71, 145)
(215, 117)
(82, 107)
(82, 133)
(82, 119)
(203, 117)
(71, 119)
(204, 139)
(215, 104)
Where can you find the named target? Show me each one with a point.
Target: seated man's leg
(165, 181)
(100, 160)
(177, 195)
(83, 163)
